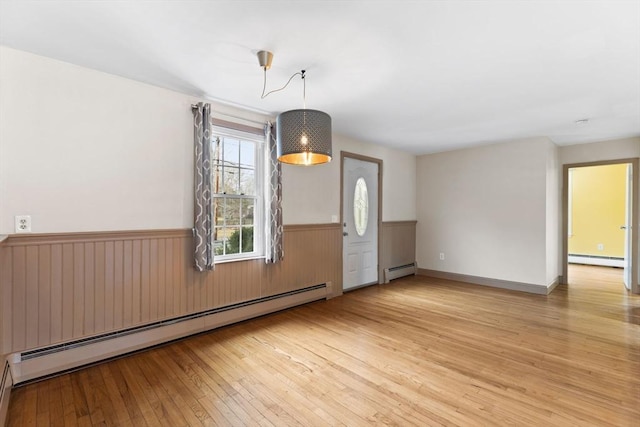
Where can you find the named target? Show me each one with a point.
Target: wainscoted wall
(398, 244)
(60, 287)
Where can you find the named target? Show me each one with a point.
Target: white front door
(360, 223)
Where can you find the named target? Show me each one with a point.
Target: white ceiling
(423, 76)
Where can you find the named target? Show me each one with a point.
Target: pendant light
(303, 136)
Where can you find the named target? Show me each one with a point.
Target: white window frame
(258, 209)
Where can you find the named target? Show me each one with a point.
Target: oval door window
(361, 206)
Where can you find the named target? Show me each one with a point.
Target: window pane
(218, 210)
(218, 241)
(247, 211)
(231, 180)
(233, 240)
(361, 206)
(247, 154)
(231, 152)
(247, 239)
(217, 179)
(216, 150)
(247, 182)
(232, 212)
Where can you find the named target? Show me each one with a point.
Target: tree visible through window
(236, 173)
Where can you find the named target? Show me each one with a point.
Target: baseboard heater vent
(606, 261)
(45, 361)
(399, 271)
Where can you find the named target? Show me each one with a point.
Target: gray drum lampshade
(303, 137)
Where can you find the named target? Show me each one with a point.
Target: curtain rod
(261, 123)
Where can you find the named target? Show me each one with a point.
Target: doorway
(361, 215)
(630, 263)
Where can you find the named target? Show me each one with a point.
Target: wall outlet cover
(23, 223)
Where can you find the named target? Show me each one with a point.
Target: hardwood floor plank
(416, 351)
(173, 382)
(30, 408)
(124, 391)
(56, 405)
(210, 397)
(17, 407)
(226, 373)
(140, 390)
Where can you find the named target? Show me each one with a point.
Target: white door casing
(627, 228)
(360, 223)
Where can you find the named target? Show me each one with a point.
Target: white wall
(82, 150)
(598, 151)
(485, 208)
(553, 214)
(495, 211)
(312, 194)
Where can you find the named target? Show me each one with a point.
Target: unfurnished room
(309, 213)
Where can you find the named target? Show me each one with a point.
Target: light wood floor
(417, 351)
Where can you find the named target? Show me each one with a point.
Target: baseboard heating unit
(51, 360)
(606, 261)
(399, 271)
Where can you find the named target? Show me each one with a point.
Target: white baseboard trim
(5, 391)
(494, 283)
(593, 260)
(555, 282)
(31, 367)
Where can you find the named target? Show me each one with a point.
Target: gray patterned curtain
(203, 206)
(273, 199)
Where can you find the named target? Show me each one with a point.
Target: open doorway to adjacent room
(599, 209)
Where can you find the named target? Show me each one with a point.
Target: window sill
(247, 258)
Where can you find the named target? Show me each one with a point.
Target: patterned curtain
(273, 199)
(203, 206)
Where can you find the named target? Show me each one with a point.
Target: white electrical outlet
(600, 246)
(23, 223)
(441, 256)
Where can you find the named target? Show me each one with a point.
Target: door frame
(343, 155)
(635, 208)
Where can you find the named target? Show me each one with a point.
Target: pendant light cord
(264, 86)
(304, 90)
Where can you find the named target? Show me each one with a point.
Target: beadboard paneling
(398, 244)
(60, 287)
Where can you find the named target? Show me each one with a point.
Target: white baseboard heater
(399, 271)
(53, 360)
(606, 261)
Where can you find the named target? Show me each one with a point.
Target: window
(237, 194)
(361, 206)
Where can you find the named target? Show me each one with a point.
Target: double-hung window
(237, 194)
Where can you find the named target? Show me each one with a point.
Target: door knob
(345, 233)
(623, 227)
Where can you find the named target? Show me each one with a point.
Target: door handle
(623, 227)
(345, 233)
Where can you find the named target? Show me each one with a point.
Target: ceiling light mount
(303, 136)
(265, 58)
